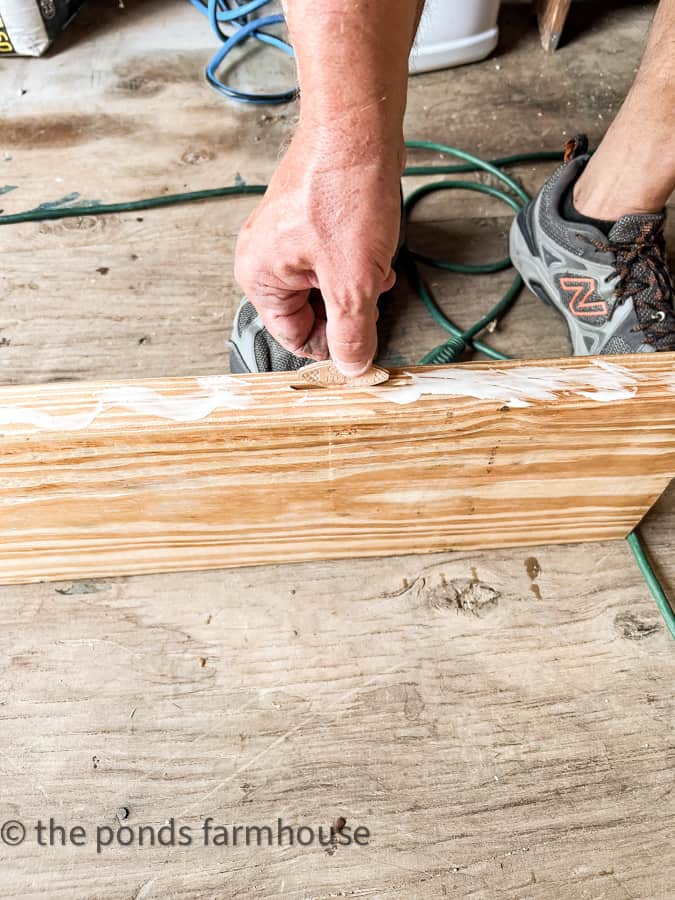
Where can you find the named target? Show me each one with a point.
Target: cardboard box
(27, 27)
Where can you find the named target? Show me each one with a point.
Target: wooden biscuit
(326, 374)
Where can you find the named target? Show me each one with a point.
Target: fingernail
(351, 370)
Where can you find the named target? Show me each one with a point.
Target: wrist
(353, 140)
(353, 82)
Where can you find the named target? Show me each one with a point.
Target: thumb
(352, 335)
(351, 329)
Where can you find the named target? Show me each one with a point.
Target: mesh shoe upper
(253, 349)
(615, 291)
(638, 246)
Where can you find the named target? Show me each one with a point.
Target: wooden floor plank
(502, 736)
(122, 113)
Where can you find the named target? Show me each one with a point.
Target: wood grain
(320, 473)
(496, 744)
(503, 738)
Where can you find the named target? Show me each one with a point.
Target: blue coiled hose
(243, 24)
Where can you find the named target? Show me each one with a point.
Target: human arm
(330, 217)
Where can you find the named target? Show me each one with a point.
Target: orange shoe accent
(581, 291)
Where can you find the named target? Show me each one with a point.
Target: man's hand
(329, 221)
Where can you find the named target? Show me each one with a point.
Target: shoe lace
(642, 272)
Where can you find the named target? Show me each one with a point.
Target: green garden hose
(460, 340)
(652, 581)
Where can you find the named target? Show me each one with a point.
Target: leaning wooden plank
(184, 473)
(552, 15)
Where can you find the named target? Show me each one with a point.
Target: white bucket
(454, 32)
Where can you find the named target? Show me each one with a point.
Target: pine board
(168, 474)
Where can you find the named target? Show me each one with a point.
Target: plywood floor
(501, 722)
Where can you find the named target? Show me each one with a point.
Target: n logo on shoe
(580, 291)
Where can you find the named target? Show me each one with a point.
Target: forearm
(352, 58)
(330, 218)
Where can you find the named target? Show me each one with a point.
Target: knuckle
(352, 345)
(244, 267)
(354, 299)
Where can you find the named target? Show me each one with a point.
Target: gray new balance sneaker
(253, 349)
(614, 290)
